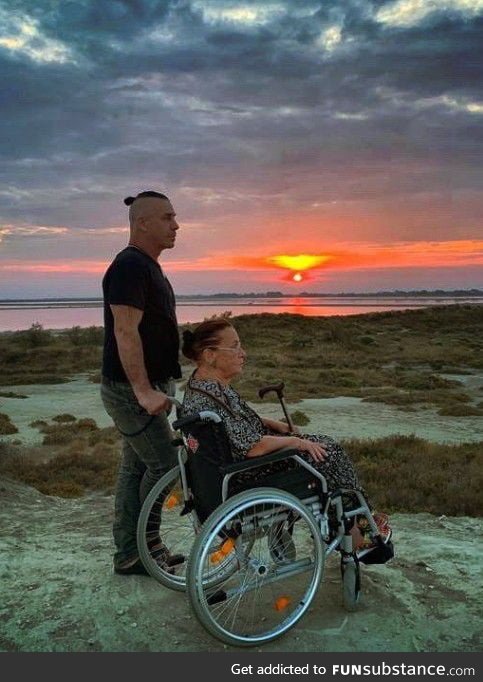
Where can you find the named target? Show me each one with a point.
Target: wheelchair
(249, 553)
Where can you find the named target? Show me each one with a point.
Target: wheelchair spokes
(274, 572)
(165, 531)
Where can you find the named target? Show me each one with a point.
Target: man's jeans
(145, 458)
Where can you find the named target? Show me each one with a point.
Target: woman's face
(228, 356)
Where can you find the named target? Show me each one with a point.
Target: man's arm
(130, 347)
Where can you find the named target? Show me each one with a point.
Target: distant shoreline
(434, 293)
(73, 312)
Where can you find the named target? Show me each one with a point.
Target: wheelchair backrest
(208, 450)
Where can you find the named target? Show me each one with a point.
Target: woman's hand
(315, 450)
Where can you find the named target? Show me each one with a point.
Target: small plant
(11, 394)
(63, 418)
(299, 418)
(459, 410)
(6, 425)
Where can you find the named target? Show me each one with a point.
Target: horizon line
(473, 291)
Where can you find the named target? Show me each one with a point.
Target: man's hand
(154, 402)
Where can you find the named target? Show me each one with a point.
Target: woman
(216, 349)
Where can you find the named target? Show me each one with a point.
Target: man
(140, 361)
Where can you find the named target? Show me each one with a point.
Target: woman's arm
(271, 443)
(277, 426)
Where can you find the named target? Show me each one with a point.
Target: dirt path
(57, 591)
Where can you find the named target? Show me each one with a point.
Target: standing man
(140, 361)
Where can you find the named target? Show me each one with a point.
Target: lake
(57, 314)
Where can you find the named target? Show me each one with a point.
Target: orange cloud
(84, 266)
(303, 261)
(347, 256)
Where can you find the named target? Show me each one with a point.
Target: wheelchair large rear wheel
(276, 565)
(162, 524)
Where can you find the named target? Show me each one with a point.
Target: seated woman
(215, 347)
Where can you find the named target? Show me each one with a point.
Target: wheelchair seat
(210, 462)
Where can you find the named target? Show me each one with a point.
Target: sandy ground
(341, 417)
(58, 593)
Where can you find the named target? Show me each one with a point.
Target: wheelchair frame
(252, 541)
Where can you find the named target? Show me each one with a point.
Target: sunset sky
(338, 141)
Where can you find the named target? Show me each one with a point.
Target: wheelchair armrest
(196, 417)
(254, 462)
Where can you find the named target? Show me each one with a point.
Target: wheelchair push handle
(278, 389)
(196, 418)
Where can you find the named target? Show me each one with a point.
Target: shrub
(459, 410)
(63, 418)
(409, 474)
(298, 417)
(6, 425)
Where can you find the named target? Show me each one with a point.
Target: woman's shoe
(363, 531)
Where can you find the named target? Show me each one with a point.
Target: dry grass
(73, 459)
(400, 473)
(328, 357)
(409, 474)
(7, 427)
(393, 357)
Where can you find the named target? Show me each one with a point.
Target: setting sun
(297, 277)
(303, 261)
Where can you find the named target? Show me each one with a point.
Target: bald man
(140, 362)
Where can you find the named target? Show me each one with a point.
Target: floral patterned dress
(245, 429)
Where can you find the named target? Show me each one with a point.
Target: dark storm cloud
(194, 94)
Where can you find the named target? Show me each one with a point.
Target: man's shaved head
(152, 221)
(143, 205)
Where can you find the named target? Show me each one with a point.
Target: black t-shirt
(136, 280)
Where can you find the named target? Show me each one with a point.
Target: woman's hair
(205, 335)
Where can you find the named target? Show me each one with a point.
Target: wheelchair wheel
(351, 582)
(161, 523)
(277, 562)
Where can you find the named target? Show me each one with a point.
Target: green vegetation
(76, 457)
(329, 357)
(40, 356)
(299, 418)
(409, 474)
(458, 410)
(65, 430)
(12, 394)
(400, 473)
(394, 357)
(63, 418)
(6, 425)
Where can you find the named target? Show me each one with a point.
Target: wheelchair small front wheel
(276, 565)
(166, 532)
(351, 582)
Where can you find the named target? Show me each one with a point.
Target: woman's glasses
(233, 349)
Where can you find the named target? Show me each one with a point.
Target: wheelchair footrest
(380, 554)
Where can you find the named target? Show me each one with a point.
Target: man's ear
(142, 223)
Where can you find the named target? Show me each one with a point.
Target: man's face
(159, 224)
